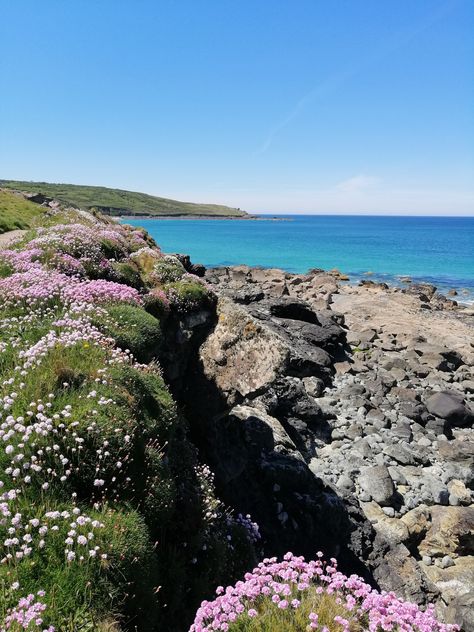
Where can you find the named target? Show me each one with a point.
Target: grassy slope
(118, 201)
(16, 212)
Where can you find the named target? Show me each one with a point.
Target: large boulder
(450, 405)
(396, 570)
(241, 356)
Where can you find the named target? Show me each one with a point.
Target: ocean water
(439, 250)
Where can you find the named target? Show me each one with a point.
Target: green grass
(17, 213)
(119, 202)
(134, 329)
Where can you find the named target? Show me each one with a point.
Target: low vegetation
(108, 520)
(298, 596)
(119, 202)
(16, 212)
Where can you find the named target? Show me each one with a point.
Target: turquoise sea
(439, 250)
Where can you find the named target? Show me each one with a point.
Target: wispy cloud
(335, 81)
(357, 184)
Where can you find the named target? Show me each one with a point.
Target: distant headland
(121, 203)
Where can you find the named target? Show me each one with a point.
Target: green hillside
(16, 212)
(119, 202)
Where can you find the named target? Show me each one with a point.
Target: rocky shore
(341, 417)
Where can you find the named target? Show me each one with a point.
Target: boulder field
(341, 418)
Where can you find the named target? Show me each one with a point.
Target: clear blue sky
(269, 105)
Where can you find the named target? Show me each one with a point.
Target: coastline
(203, 217)
(436, 251)
(464, 299)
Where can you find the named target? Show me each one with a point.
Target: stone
(457, 458)
(313, 386)
(377, 482)
(449, 405)
(400, 453)
(460, 609)
(458, 490)
(386, 525)
(343, 367)
(345, 482)
(255, 356)
(417, 521)
(456, 583)
(399, 572)
(446, 562)
(451, 532)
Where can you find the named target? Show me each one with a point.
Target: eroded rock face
(241, 356)
(267, 361)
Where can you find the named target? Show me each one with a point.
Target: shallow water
(439, 250)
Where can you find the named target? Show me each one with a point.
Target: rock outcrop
(341, 418)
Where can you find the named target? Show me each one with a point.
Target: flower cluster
(252, 528)
(27, 615)
(293, 588)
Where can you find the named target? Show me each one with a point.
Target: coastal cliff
(165, 427)
(365, 392)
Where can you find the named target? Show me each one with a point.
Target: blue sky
(334, 106)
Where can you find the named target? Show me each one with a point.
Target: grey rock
(400, 453)
(377, 482)
(446, 562)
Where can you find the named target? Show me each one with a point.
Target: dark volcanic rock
(450, 406)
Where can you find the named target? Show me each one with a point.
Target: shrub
(132, 328)
(189, 294)
(156, 302)
(127, 272)
(166, 270)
